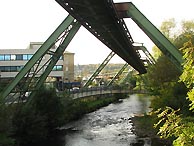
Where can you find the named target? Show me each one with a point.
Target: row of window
(18, 68)
(10, 68)
(8, 57)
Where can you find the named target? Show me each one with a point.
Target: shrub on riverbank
(6, 113)
(34, 121)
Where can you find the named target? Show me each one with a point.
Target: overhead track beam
(100, 18)
(128, 10)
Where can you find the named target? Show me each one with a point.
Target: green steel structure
(101, 19)
(147, 53)
(128, 10)
(104, 19)
(28, 80)
(118, 74)
(99, 69)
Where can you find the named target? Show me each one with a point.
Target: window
(13, 57)
(2, 57)
(8, 57)
(19, 68)
(13, 68)
(7, 68)
(19, 57)
(58, 68)
(25, 57)
(30, 56)
(10, 68)
(55, 68)
(2, 68)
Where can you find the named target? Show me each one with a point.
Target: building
(13, 60)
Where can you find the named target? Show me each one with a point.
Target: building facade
(13, 60)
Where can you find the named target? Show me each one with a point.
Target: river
(110, 125)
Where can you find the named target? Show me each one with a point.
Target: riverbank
(143, 128)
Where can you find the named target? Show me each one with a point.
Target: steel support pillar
(128, 10)
(118, 74)
(99, 69)
(28, 80)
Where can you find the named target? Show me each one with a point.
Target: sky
(25, 21)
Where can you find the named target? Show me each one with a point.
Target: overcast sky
(25, 21)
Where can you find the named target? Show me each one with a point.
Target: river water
(109, 126)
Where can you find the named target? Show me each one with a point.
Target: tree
(187, 26)
(167, 28)
(174, 124)
(171, 122)
(188, 70)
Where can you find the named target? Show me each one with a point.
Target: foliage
(183, 38)
(160, 76)
(130, 80)
(6, 114)
(173, 122)
(188, 70)
(156, 52)
(187, 26)
(167, 28)
(34, 121)
(173, 125)
(29, 127)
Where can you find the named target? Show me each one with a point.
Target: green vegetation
(173, 92)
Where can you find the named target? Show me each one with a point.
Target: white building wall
(32, 48)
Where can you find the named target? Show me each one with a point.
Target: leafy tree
(171, 123)
(167, 28)
(156, 52)
(188, 70)
(187, 26)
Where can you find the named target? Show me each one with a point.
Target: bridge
(95, 91)
(105, 20)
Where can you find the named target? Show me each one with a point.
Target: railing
(85, 92)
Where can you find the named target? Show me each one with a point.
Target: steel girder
(147, 53)
(99, 69)
(118, 74)
(29, 80)
(128, 10)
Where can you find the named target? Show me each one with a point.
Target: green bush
(6, 114)
(35, 121)
(29, 127)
